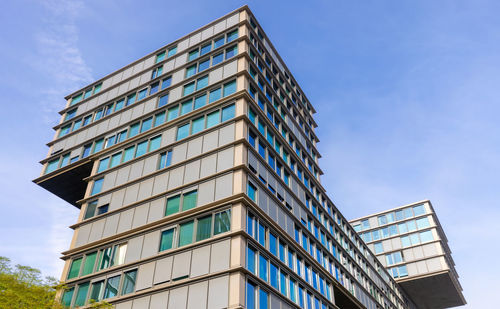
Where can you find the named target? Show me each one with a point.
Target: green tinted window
(173, 113)
(81, 294)
(74, 270)
(167, 240)
(186, 233)
(67, 297)
(96, 290)
(189, 200)
(88, 265)
(90, 211)
(173, 205)
(112, 286)
(204, 228)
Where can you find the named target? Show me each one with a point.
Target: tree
(23, 287)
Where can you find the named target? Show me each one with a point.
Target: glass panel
(214, 95)
(426, 236)
(173, 113)
(250, 297)
(222, 222)
(172, 51)
(204, 228)
(273, 270)
(186, 233)
(193, 55)
(188, 89)
(90, 211)
(232, 36)
(129, 282)
(163, 100)
(186, 107)
(96, 188)
(159, 118)
(190, 71)
(173, 205)
(115, 159)
(96, 291)
(128, 154)
(183, 131)
(423, 223)
(146, 124)
(230, 52)
(167, 239)
(202, 82)
(213, 119)
(81, 295)
(204, 65)
(200, 101)
(229, 88)
(217, 58)
(198, 124)
(130, 99)
(142, 94)
(88, 265)
(419, 210)
(134, 129)
(189, 200)
(218, 42)
(98, 145)
(251, 260)
(228, 112)
(112, 287)
(74, 270)
(263, 299)
(205, 49)
(67, 297)
(263, 268)
(166, 82)
(155, 143)
(141, 149)
(160, 56)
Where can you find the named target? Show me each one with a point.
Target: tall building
(196, 173)
(410, 242)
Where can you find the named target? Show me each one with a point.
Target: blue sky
(406, 93)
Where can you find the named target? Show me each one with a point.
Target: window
(228, 112)
(193, 55)
(426, 236)
(213, 119)
(231, 51)
(198, 125)
(160, 57)
(189, 200)
(97, 187)
(188, 89)
(81, 294)
(173, 204)
(67, 297)
(250, 297)
(229, 88)
(173, 113)
(204, 228)
(89, 263)
(200, 101)
(214, 95)
(205, 49)
(251, 191)
(129, 279)
(112, 285)
(263, 268)
(222, 222)
(263, 299)
(172, 51)
(183, 131)
(378, 247)
(186, 107)
(190, 71)
(165, 159)
(74, 269)
(166, 239)
(419, 210)
(423, 223)
(96, 290)
(186, 233)
(202, 82)
(218, 42)
(217, 58)
(166, 82)
(251, 259)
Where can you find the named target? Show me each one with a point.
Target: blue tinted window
(205, 49)
(204, 65)
(251, 260)
(103, 165)
(97, 187)
(202, 82)
(263, 268)
(142, 94)
(166, 82)
(231, 36)
(160, 57)
(186, 107)
(183, 131)
(200, 101)
(52, 166)
(229, 88)
(228, 112)
(419, 210)
(423, 223)
(130, 99)
(193, 55)
(141, 149)
(231, 52)
(273, 272)
(214, 95)
(188, 89)
(213, 119)
(251, 190)
(172, 51)
(263, 299)
(426, 236)
(283, 283)
(250, 296)
(218, 42)
(146, 124)
(198, 125)
(190, 71)
(378, 247)
(217, 58)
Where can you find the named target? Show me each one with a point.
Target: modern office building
(410, 242)
(196, 173)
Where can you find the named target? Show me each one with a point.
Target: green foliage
(23, 287)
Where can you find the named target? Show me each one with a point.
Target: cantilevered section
(410, 242)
